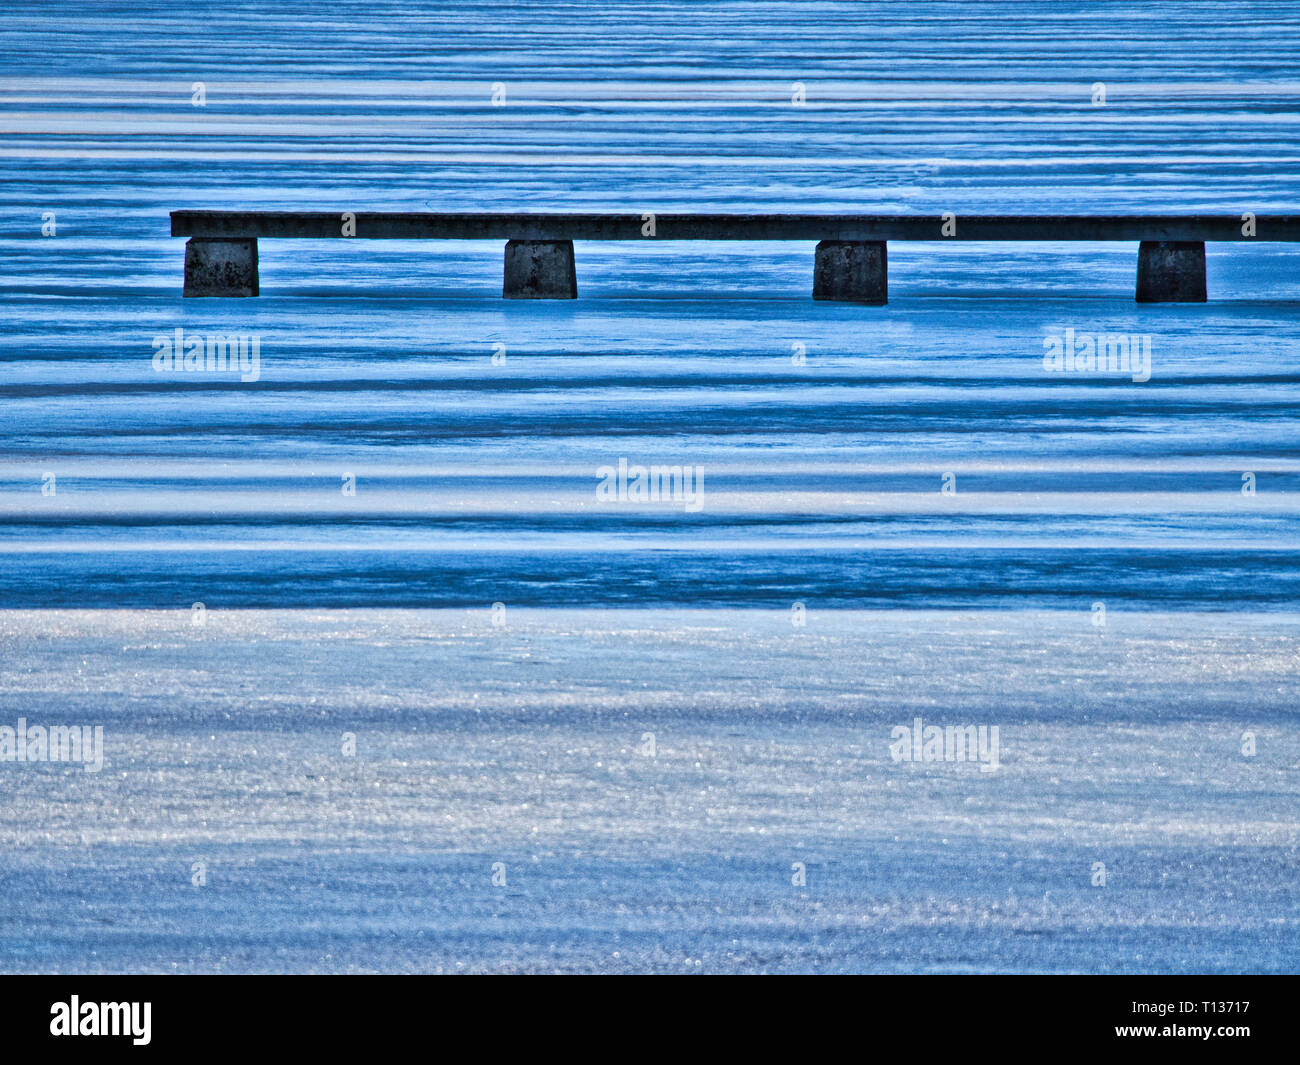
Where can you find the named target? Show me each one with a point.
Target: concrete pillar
(1171, 271)
(540, 270)
(855, 271)
(221, 266)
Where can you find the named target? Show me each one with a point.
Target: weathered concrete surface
(540, 270)
(1171, 272)
(851, 271)
(221, 267)
(518, 225)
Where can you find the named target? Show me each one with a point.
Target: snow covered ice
(387, 685)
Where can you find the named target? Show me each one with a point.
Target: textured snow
(525, 744)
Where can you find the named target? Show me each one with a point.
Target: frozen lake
(1112, 583)
(642, 784)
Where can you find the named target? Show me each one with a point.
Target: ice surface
(476, 480)
(526, 744)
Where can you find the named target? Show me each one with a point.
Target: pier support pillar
(1171, 271)
(221, 266)
(854, 271)
(540, 270)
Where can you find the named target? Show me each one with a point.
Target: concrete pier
(850, 263)
(540, 270)
(528, 225)
(221, 266)
(1171, 271)
(852, 271)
